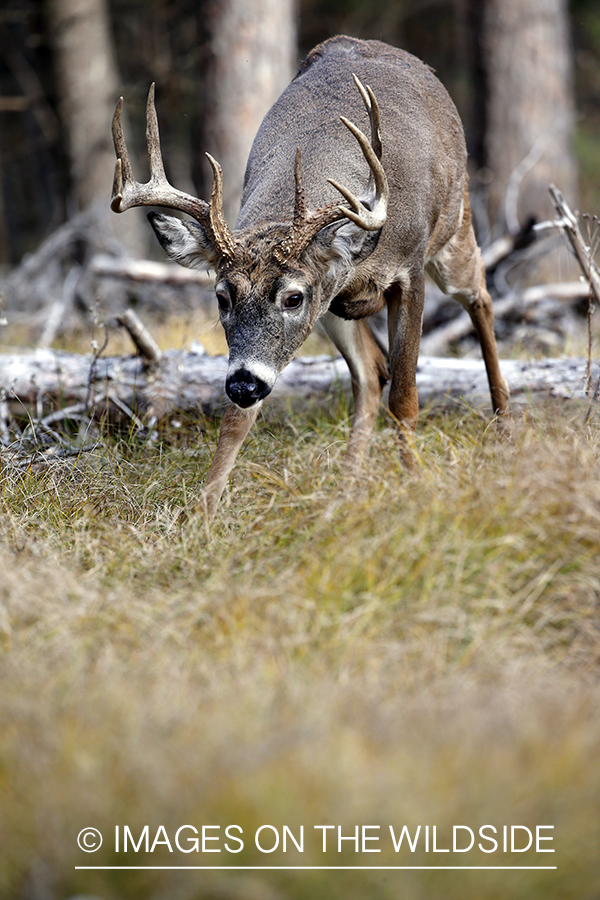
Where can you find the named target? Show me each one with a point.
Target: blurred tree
(529, 111)
(585, 23)
(251, 57)
(31, 183)
(86, 78)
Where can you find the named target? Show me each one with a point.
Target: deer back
(424, 153)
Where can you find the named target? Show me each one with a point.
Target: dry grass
(422, 650)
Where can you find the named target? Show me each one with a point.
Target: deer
(333, 227)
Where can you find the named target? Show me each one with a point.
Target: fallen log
(42, 382)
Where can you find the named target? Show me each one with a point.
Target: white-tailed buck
(299, 254)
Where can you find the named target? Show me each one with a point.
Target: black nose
(245, 389)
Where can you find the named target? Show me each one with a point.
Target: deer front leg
(405, 316)
(234, 429)
(369, 373)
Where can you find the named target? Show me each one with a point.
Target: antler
(305, 226)
(127, 192)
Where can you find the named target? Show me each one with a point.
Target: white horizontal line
(319, 868)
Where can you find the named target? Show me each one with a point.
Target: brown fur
(270, 297)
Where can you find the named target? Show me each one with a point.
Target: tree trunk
(530, 107)
(87, 85)
(252, 58)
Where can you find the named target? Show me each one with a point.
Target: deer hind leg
(405, 317)
(459, 271)
(234, 428)
(369, 373)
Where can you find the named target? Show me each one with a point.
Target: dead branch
(141, 337)
(60, 307)
(438, 340)
(140, 270)
(503, 247)
(568, 221)
(80, 270)
(584, 256)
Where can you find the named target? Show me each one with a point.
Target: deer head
(274, 279)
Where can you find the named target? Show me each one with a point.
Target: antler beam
(305, 226)
(128, 193)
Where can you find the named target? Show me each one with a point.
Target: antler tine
(372, 108)
(123, 166)
(369, 219)
(224, 239)
(157, 169)
(127, 192)
(305, 226)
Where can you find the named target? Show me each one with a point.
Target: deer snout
(245, 388)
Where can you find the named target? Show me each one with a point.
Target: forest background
(524, 75)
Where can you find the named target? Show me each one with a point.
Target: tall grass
(422, 648)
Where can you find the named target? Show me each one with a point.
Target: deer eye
(224, 301)
(292, 301)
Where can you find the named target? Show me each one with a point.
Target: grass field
(421, 650)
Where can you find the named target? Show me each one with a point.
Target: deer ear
(345, 242)
(185, 242)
